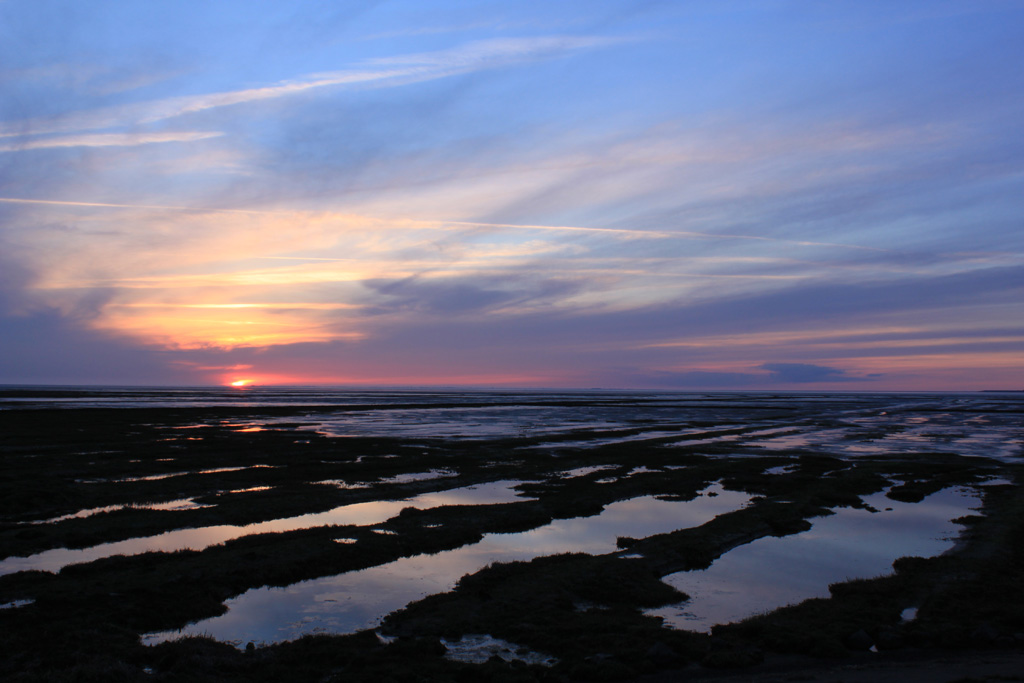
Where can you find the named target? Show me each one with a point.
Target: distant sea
(972, 424)
(51, 396)
(54, 396)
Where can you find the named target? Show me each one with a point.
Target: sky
(678, 195)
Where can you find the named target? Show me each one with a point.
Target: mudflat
(160, 535)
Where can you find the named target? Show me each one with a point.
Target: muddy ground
(84, 622)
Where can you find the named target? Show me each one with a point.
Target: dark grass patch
(85, 621)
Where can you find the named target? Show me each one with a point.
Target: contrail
(564, 228)
(662, 234)
(12, 200)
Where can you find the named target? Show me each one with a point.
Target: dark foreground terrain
(80, 476)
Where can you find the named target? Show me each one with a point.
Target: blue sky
(691, 195)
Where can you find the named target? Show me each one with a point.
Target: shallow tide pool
(359, 514)
(772, 572)
(357, 600)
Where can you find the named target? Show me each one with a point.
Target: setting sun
(241, 383)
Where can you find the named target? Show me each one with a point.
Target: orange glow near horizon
(227, 326)
(454, 379)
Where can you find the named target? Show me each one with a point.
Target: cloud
(379, 72)
(692, 379)
(837, 302)
(805, 373)
(493, 52)
(46, 347)
(777, 375)
(467, 294)
(107, 140)
(550, 205)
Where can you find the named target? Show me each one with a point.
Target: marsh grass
(85, 621)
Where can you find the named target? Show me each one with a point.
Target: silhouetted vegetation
(84, 622)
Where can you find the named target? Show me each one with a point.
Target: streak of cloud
(107, 140)
(672, 195)
(378, 72)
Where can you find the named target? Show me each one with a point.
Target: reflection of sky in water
(978, 438)
(168, 475)
(360, 514)
(477, 649)
(170, 505)
(15, 604)
(419, 476)
(471, 422)
(756, 434)
(355, 600)
(842, 425)
(583, 471)
(605, 440)
(861, 429)
(864, 423)
(802, 440)
(115, 397)
(775, 571)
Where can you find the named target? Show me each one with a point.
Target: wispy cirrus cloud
(108, 140)
(379, 72)
(807, 373)
(710, 197)
(765, 375)
(219, 260)
(495, 52)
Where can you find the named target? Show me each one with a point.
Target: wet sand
(124, 520)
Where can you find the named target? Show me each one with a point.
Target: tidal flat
(291, 534)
